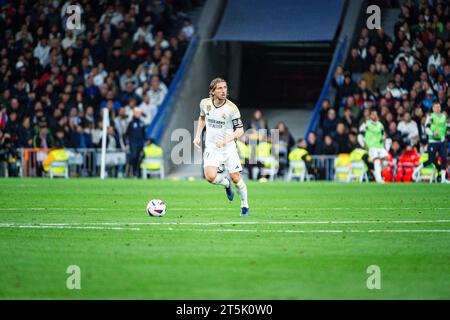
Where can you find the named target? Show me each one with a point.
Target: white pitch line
(231, 230)
(234, 223)
(64, 227)
(224, 209)
(310, 231)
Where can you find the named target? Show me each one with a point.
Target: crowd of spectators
(55, 80)
(399, 76)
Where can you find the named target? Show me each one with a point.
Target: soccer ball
(156, 208)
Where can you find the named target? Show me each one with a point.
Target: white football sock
(443, 173)
(377, 167)
(241, 189)
(220, 180)
(417, 171)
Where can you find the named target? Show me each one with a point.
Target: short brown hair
(213, 84)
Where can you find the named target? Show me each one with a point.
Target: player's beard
(221, 99)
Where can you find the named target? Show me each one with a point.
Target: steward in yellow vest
(360, 154)
(299, 153)
(151, 150)
(264, 150)
(56, 154)
(244, 151)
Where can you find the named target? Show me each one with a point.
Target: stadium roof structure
(280, 21)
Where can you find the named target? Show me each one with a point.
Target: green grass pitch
(302, 240)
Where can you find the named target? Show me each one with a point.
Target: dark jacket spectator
(329, 147)
(330, 123)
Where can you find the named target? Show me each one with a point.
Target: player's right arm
(428, 122)
(360, 137)
(200, 126)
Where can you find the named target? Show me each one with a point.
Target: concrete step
(389, 18)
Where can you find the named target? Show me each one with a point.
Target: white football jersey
(220, 121)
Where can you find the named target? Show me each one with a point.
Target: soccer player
(223, 126)
(436, 129)
(373, 131)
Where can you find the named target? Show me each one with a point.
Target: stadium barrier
(86, 163)
(323, 167)
(82, 162)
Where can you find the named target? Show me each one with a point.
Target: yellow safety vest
(428, 170)
(298, 153)
(263, 150)
(342, 160)
(243, 150)
(55, 155)
(357, 155)
(152, 151)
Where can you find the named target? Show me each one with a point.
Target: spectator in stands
(43, 138)
(330, 147)
(148, 109)
(355, 64)
(396, 149)
(112, 139)
(79, 138)
(352, 140)
(25, 134)
(129, 94)
(188, 28)
(324, 111)
(382, 79)
(347, 119)
(347, 89)
(286, 142)
(60, 138)
(257, 121)
(341, 138)
(128, 79)
(110, 102)
(157, 91)
(136, 137)
(330, 123)
(369, 78)
(409, 130)
(338, 79)
(392, 132)
(313, 146)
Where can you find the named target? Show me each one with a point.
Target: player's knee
(235, 177)
(210, 176)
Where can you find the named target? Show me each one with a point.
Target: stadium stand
(399, 76)
(56, 81)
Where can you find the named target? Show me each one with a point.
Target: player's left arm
(238, 128)
(238, 131)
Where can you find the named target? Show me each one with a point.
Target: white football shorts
(229, 157)
(377, 153)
